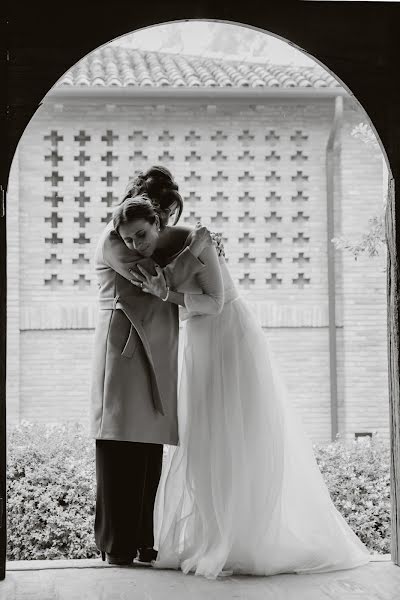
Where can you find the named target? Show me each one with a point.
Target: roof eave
(65, 93)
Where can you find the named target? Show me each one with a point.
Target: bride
(242, 493)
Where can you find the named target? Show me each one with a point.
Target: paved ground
(90, 580)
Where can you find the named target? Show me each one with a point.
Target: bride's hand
(201, 238)
(150, 284)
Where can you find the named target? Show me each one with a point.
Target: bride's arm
(209, 279)
(211, 301)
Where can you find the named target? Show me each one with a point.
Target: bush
(358, 479)
(51, 491)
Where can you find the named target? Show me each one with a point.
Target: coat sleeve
(211, 301)
(179, 274)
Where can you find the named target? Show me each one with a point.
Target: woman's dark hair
(132, 209)
(158, 184)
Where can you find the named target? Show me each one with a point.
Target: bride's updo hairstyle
(158, 184)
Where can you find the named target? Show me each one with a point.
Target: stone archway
(316, 39)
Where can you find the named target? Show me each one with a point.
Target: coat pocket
(131, 343)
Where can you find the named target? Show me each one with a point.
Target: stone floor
(92, 580)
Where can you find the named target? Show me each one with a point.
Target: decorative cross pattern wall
(251, 184)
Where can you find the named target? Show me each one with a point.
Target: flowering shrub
(218, 243)
(358, 479)
(51, 491)
(373, 242)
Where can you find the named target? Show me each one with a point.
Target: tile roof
(114, 66)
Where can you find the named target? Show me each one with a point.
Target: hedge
(51, 490)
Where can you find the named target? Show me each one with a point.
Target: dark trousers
(127, 476)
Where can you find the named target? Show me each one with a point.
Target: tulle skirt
(242, 492)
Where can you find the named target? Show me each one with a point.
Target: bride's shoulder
(182, 229)
(181, 233)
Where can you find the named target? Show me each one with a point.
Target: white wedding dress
(243, 492)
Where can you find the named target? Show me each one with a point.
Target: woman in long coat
(134, 380)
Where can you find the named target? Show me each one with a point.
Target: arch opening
(240, 130)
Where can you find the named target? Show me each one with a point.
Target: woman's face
(166, 214)
(140, 235)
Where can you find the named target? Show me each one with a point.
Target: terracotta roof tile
(115, 66)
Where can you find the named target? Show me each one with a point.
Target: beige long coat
(134, 378)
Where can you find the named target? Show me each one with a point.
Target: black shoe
(121, 560)
(146, 556)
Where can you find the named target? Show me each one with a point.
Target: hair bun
(135, 186)
(158, 181)
(158, 186)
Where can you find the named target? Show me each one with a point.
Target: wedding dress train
(243, 492)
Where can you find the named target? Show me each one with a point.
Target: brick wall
(252, 172)
(55, 378)
(67, 184)
(302, 355)
(53, 359)
(362, 292)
